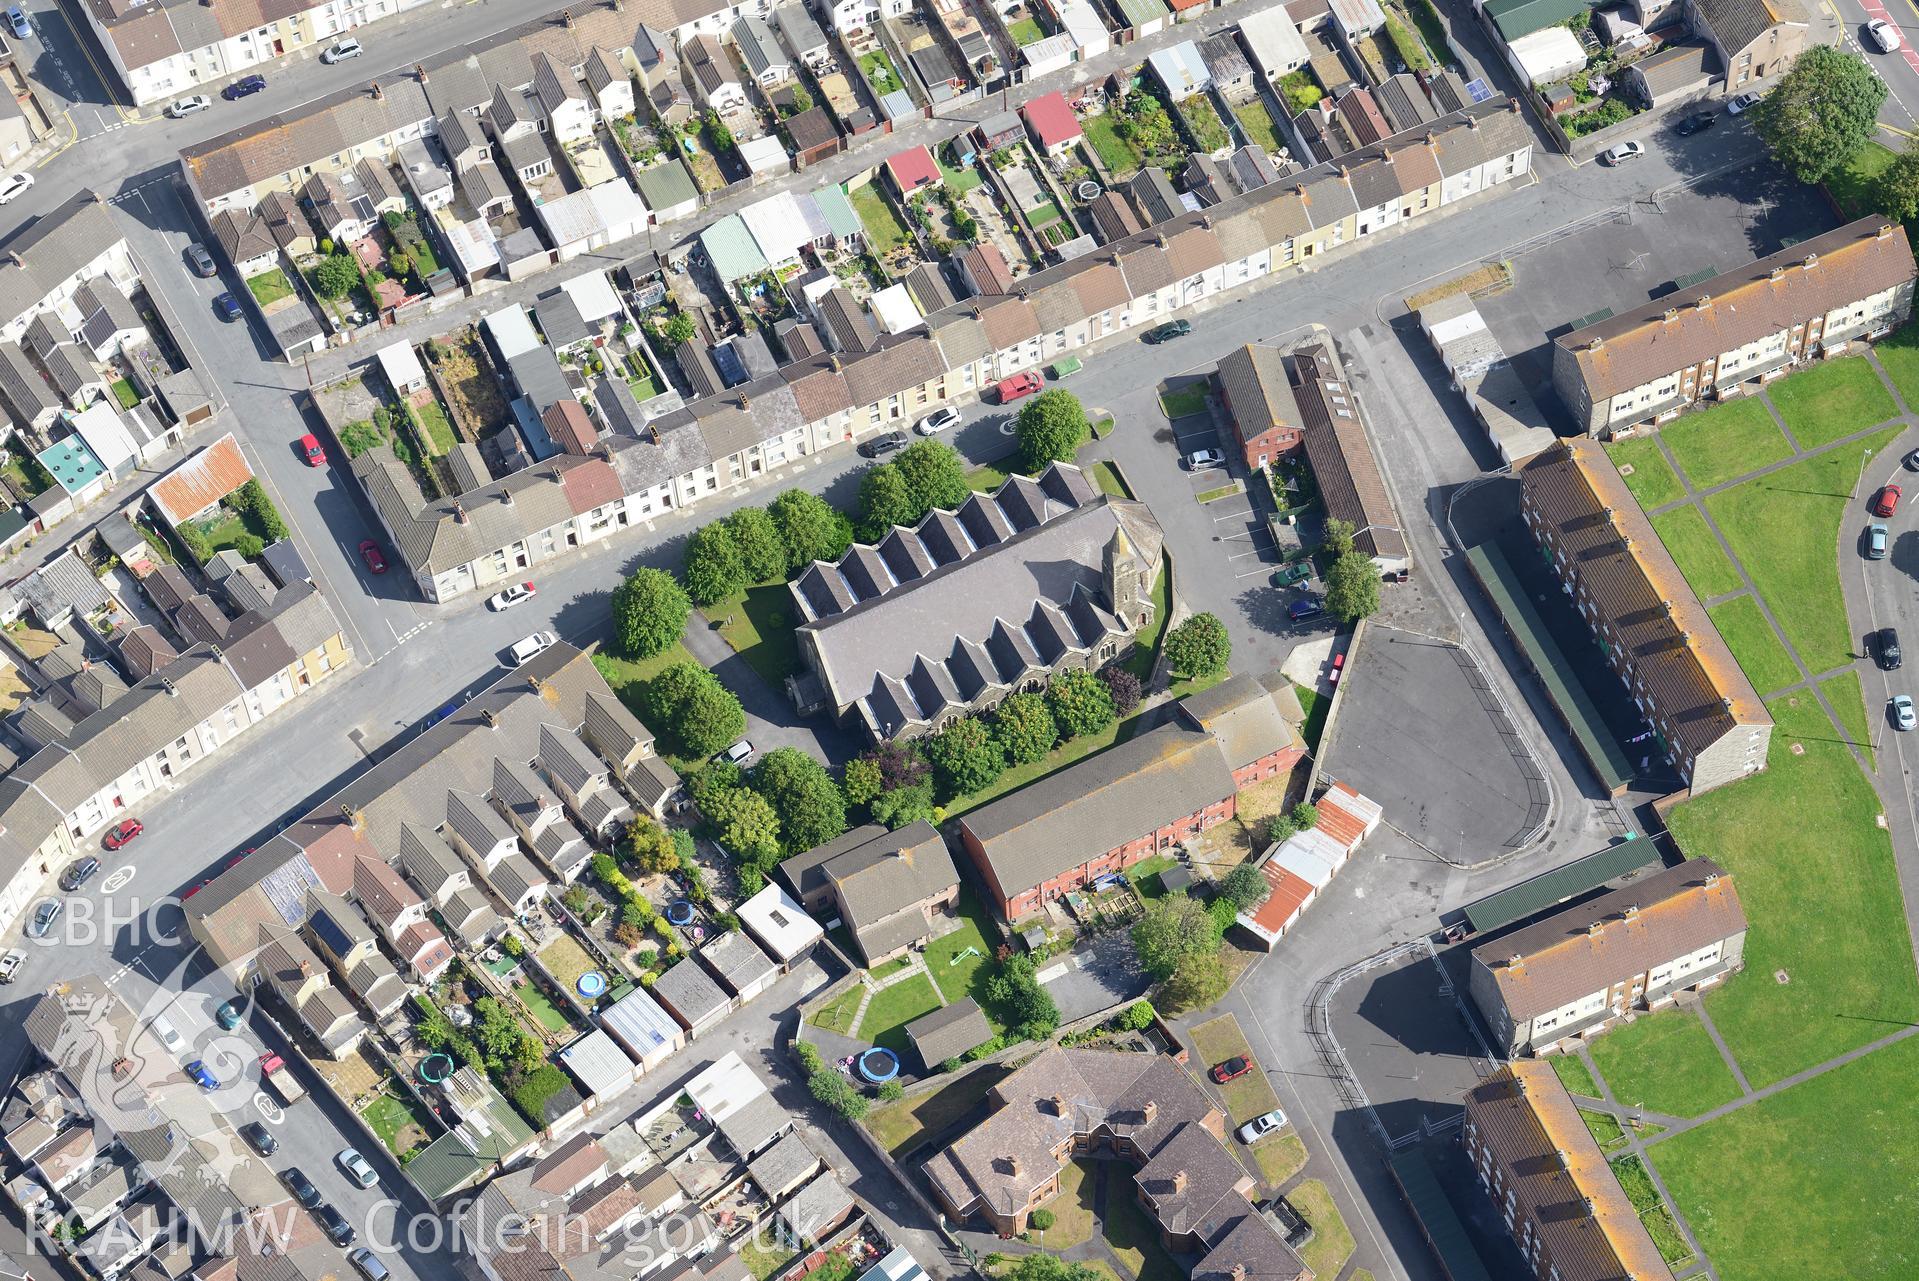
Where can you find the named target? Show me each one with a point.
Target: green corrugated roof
(1549, 888)
(731, 249)
(1444, 1231)
(448, 1164)
(1516, 18)
(841, 220)
(1140, 12)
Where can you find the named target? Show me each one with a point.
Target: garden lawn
(1072, 1208)
(438, 431)
(1816, 877)
(1332, 1242)
(1725, 442)
(1665, 1062)
(1854, 187)
(1785, 528)
(1114, 152)
(541, 1007)
(837, 1015)
(1754, 643)
(986, 477)
(892, 1008)
(1280, 1157)
(1831, 400)
(1575, 1075)
(1899, 354)
(1848, 699)
(1187, 400)
(1317, 707)
(1815, 1181)
(758, 624)
(883, 227)
(1257, 122)
(764, 1255)
(960, 181)
(1108, 480)
(901, 1125)
(1133, 1238)
(1251, 1095)
(955, 977)
(1660, 1225)
(1145, 875)
(269, 287)
(399, 1122)
(1605, 1129)
(1025, 32)
(1652, 480)
(124, 393)
(1698, 554)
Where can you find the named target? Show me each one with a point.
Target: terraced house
(1721, 337)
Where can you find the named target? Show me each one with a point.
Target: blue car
(227, 306)
(203, 1075)
(17, 19)
(243, 87)
(1306, 607)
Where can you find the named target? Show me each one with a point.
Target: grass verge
(1251, 1095)
(1665, 1062)
(1660, 1225)
(1725, 442)
(1332, 1242)
(1753, 642)
(1848, 699)
(1575, 1075)
(1697, 553)
(1831, 400)
(1652, 479)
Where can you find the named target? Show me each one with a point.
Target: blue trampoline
(878, 1065)
(679, 912)
(591, 984)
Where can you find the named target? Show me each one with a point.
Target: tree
(1305, 816)
(680, 329)
(811, 807)
(1124, 687)
(891, 1091)
(809, 528)
(1821, 113)
(964, 757)
(712, 567)
(1024, 728)
(1199, 646)
(336, 276)
(758, 539)
(861, 780)
(747, 826)
(1896, 191)
(1352, 587)
(1050, 428)
(691, 705)
(249, 545)
(649, 613)
(646, 845)
(1021, 1002)
(1138, 1016)
(885, 501)
(903, 805)
(399, 263)
(1080, 702)
(802, 100)
(934, 473)
(1170, 930)
(1339, 536)
(1048, 1267)
(252, 499)
(1281, 828)
(1245, 887)
(1198, 982)
(1041, 1219)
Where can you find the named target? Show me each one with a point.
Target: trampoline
(435, 1068)
(679, 912)
(591, 984)
(878, 1065)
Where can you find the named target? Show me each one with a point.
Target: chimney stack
(355, 818)
(379, 94)
(166, 683)
(1179, 1182)
(13, 256)
(566, 16)
(1152, 1111)
(1059, 1105)
(1239, 1271)
(491, 717)
(459, 512)
(1012, 1166)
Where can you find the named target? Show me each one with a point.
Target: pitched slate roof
(949, 1032)
(1341, 456)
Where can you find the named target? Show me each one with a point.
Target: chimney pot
(566, 16)
(491, 717)
(1179, 1182)
(13, 256)
(1152, 1110)
(459, 512)
(1812, 260)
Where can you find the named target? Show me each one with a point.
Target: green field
(1575, 1075)
(1848, 699)
(892, 1008)
(1835, 399)
(1652, 481)
(1753, 642)
(1697, 552)
(1899, 354)
(1725, 442)
(1665, 1062)
(758, 624)
(1332, 1242)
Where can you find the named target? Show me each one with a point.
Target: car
(937, 421)
(244, 87)
(1305, 607)
(880, 446)
(738, 754)
(1886, 501)
(1019, 385)
(1885, 642)
(230, 1014)
(122, 832)
(525, 651)
(1697, 122)
(260, 1137)
(10, 962)
(1200, 459)
(1903, 717)
(1912, 461)
(1743, 103)
(1293, 575)
(368, 1263)
(201, 261)
(341, 51)
(518, 594)
(17, 19)
(78, 873)
(357, 1167)
(1170, 330)
(1620, 154)
(1884, 36)
(43, 918)
(1262, 1125)
(227, 307)
(1339, 669)
(1878, 540)
(203, 1075)
(334, 1224)
(13, 185)
(370, 553)
(300, 1186)
(191, 105)
(1231, 1069)
(311, 451)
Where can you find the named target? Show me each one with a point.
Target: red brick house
(1259, 402)
(1126, 804)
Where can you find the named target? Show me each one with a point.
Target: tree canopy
(934, 473)
(1170, 930)
(758, 539)
(1821, 113)
(689, 704)
(810, 805)
(1024, 728)
(1081, 703)
(965, 758)
(809, 528)
(1352, 587)
(1199, 646)
(649, 613)
(712, 566)
(1050, 428)
(1244, 887)
(885, 501)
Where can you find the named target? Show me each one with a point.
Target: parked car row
(1884, 645)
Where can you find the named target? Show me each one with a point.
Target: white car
(1203, 458)
(532, 647)
(1622, 153)
(937, 421)
(191, 105)
(340, 52)
(518, 594)
(1744, 102)
(356, 1166)
(1902, 713)
(10, 963)
(1885, 36)
(1261, 1126)
(12, 185)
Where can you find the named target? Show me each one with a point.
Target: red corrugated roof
(1338, 822)
(1283, 904)
(914, 168)
(201, 481)
(1051, 119)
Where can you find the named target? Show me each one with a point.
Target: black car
(1697, 122)
(1886, 641)
(243, 87)
(301, 1186)
(1912, 461)
(1170, 330)
(334, 1224)
(78, 873)
(260, 1137)
(880, 446)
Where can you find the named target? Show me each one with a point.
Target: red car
(1011, 389)
(122, 832)
(375, 560)
(1232, 1069)
(1886, 501)
(311, 451)
(1339, 665)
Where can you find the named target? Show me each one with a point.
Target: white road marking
(119, 878)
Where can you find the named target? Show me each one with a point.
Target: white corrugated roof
(893, 308)
(639, 1020)
(766, 154)
(599, 1063)
(400, 365)
(512, 331)
(780, 923)
(100, 426)
(724, 1087)
(1312, 856)
(593, 295)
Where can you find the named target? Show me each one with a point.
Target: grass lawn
(1754, 644)
(627, 678)
(886, 968)
(1258, 125)
(1280, 1157)
(837, 1015)
(1853, 186)
(639, 378)
(986, 477)
(1815, 875)
(1025, 32)
(884, 231)
(541, 1007)
(899, 1126)
(434, 425)
(1220, 1039)
(1849, 701)
(879, 71)
(270, 286)
(1835, 1152)
(1660, 1225)
(1725, 442)
(1575, 1075)
(960, 181)
(1665, 1062)
(1043, 213)
(764, 1255)
(1700, 558)
(892, 1008)
(1187, 400)
(1134, 1238)
(566, 960)
(1332, 1242)
(124, 393)
(1114, 152)
(1145, 875)
(1108, 480)
(1652, 480)
(974, 939)
(1899, 354)
(1785, 527)
(1317, 707)
(1605, 1129)
(1072, 1208)
(758, 624)
(1831, 400)
(399, 1123)
(1146, 641)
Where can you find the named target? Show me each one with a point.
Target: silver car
(1620, 154)
(1902, 713)
(191, 105)
(1261, 1126)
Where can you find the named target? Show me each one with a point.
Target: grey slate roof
(738, 962)
(58, 244)
(690, 994)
